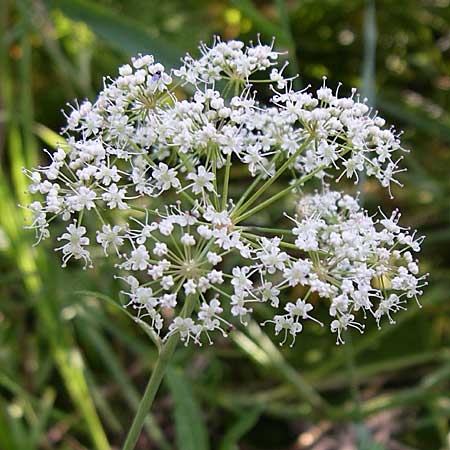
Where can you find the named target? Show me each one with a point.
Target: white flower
(83, 198)
(165, 178)
(160, 249)
(238, 307)
(240, 279)
(186, 329)
(342, 324)
(167, 282)
(387, 306)
(271, 257)
(213, 258)
(270, 293)
(169, 300)
(114, 197)
(188, 240)
(139, 259)
(288, 325)
(203, 284)
(190, 287)
(144, 296)
(204, 231)
(301, 309)
(156, 271)
(110, 236)
(74, 247)
(298, 272)
(215, 276)
(107, 174)
(202, 180)
(210, 310)
(220, 219)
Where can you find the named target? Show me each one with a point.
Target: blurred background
(72, 366)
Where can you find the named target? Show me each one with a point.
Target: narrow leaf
(242, 426)
(190, 429)
(121, 33)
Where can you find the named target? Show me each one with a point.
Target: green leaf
(242, 426)
(262, 350)
(190, 429)
(121, 33)
(7, 438)
(48, 136)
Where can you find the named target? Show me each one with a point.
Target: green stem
(156, 378)
(226, 182)
(280, 194)
(255, 182)
(255, 237)
(272, 179)
(188, 198)
(248, 191)
(267, 230)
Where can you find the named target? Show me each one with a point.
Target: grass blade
(261, 349)
(190, 429)
(243, 425)
(120, 33)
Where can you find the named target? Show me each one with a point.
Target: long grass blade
(119, 32)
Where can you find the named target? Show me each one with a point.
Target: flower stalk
(272, 179)
(156, 378)
(279, 195)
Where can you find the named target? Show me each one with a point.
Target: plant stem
(280, 194)
(226, 181)
(150, 392)
(156, 378)
(267, 230)
(282, 243)
(248, 191)
(272, 179)
(255, 182)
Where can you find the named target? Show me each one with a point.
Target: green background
(72, 364)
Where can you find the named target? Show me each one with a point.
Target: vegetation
(73, 366)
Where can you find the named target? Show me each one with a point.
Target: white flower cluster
(231, 60)
(355, 262)
(149, 180)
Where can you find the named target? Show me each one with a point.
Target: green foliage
(191, 432)
(243, 424)
(120, 33)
